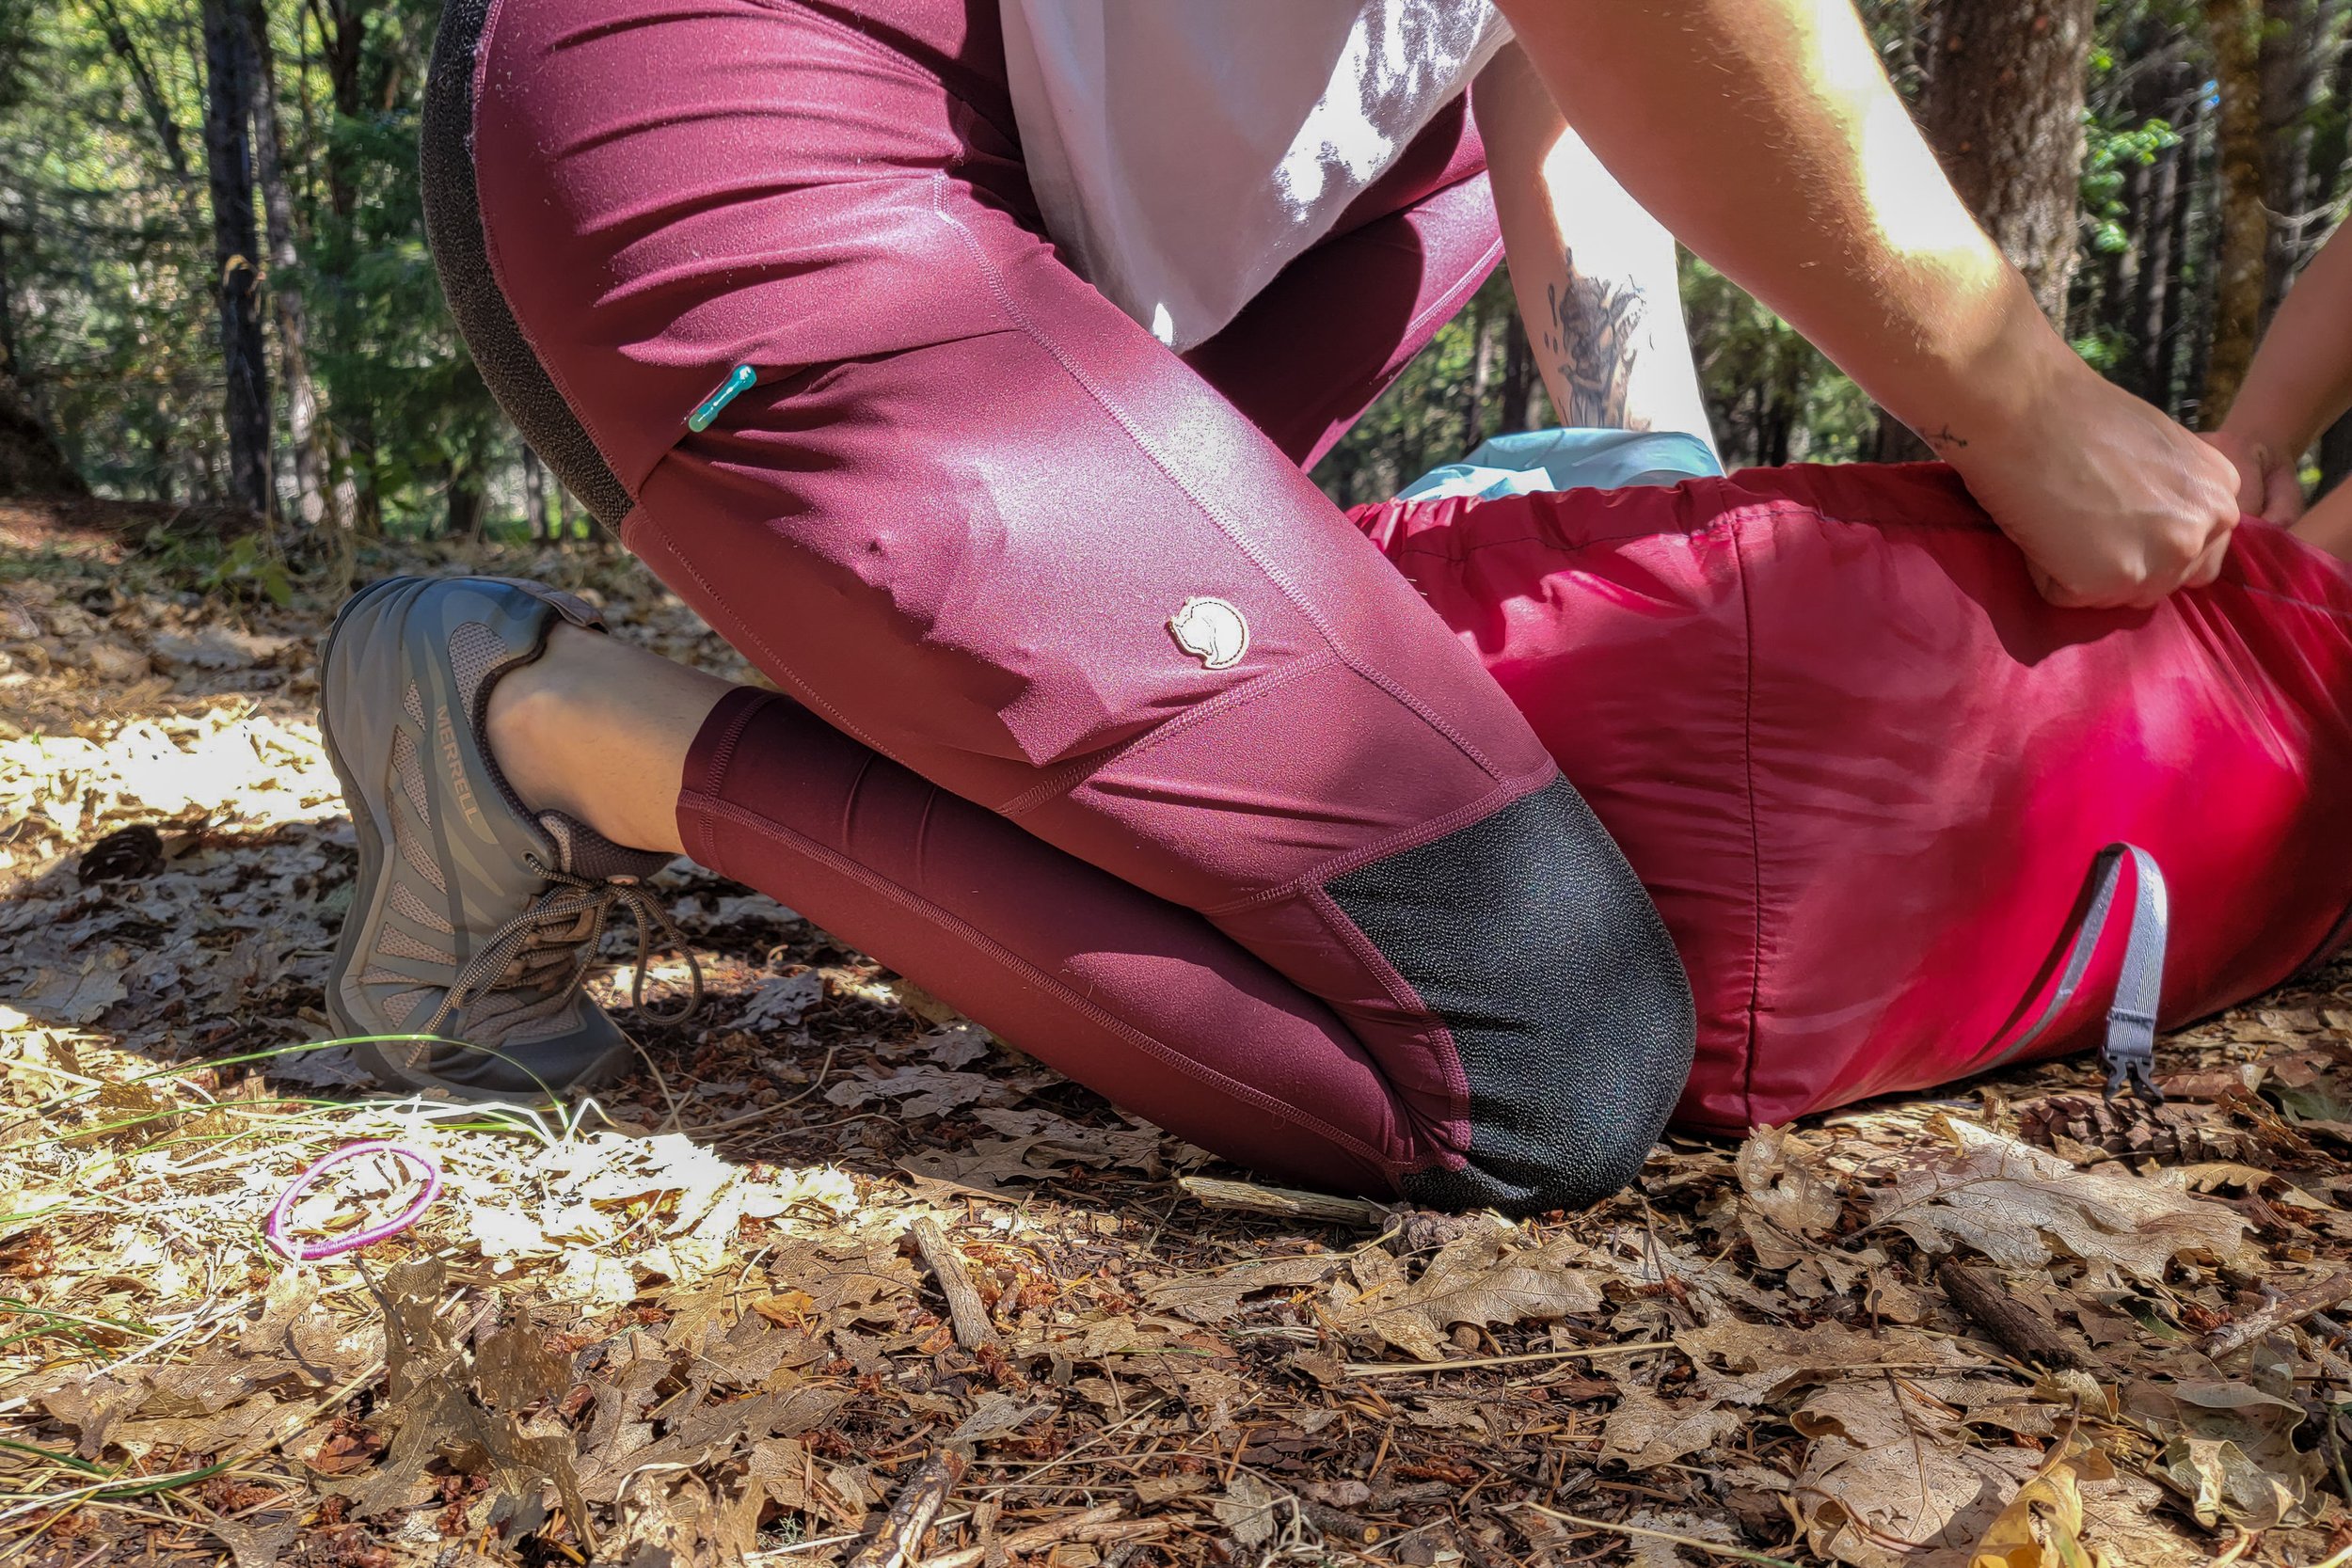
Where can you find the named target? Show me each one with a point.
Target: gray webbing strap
(2130, 1051)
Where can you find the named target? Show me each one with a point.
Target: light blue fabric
(1537, 460)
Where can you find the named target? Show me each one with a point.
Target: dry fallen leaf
(1212, 1298)
(1482, 1278)
(2042, 1526)
(2230, 1447)
(1249, 1509)
(1645, 1431)
(2019, 1205)
(1789, 1195)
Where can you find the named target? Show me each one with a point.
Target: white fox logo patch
(1212, 631)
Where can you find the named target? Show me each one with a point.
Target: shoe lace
(564, 927)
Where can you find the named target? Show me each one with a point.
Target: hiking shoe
(474, 920)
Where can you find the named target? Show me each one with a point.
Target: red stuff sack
(1869, 774)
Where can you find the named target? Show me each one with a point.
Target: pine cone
(2084, 1128)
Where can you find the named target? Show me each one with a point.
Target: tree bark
(150, 92)
(230, 76)
(2162, 92)
(9, 359)
(2174, 305)
(2291, 60)
(535, 494)
(342, 39)
(2003, 108)
(2234, 32)
(31, 462)
(1481, 325)
(1520, 381)
(465, 501)
(285, 259)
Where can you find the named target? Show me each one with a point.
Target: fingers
(2148, 592)
(2058, 593)
(2250, 463)
(2208, 566)
(2283, 500)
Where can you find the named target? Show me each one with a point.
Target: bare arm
(1595, 275)
(1766, 136)
(2300, 383)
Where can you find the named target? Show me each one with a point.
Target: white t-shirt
(1184, 150)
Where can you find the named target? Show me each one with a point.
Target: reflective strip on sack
(2130, 1051)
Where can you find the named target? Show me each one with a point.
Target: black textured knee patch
(1529, 935)
(461, 254)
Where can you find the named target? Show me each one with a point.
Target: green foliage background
(106, 254)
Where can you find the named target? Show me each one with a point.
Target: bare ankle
(599, 731)
(527, 714)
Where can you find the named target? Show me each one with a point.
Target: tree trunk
(535, 494)
(2003, 107)
(31, 462)
(1482, 327)
(1520, 381)
(2293, 54)
(465, 504)
(2173, 307)
(342, 36)
(150, 92)
(10, 360)
(230, 85)
(2159, 93)
(2234, 27)
(285, 259)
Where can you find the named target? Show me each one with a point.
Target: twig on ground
(2285, 1312)
(1288, 1203)
(1099, 1523)
(1402, 1369)
(2014, 1325)
(1714, 1548)
(964, 1307)
(900, 1535)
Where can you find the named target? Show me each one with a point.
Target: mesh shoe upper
(475, 920)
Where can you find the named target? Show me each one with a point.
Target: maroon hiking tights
(1105, 725)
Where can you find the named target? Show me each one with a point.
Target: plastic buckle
(2131, 1059)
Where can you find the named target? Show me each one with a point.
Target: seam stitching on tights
(1435, 1031)
(1502, 794)
(723, 755)
(1071, 775)
(908, 898)
(1240, 540)
(1756, 832)
(1451, 301)
(881, 54)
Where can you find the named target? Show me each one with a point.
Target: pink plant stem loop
(274, 1229)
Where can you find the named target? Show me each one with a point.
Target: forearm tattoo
(1597, 333)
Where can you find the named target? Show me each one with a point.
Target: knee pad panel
(1529, 935)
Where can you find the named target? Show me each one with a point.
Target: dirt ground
(836, 1273)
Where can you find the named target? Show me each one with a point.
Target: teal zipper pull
(738, 381)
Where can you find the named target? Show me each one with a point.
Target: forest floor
(705, 1319)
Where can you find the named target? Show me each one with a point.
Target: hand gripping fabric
(1860, 765)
